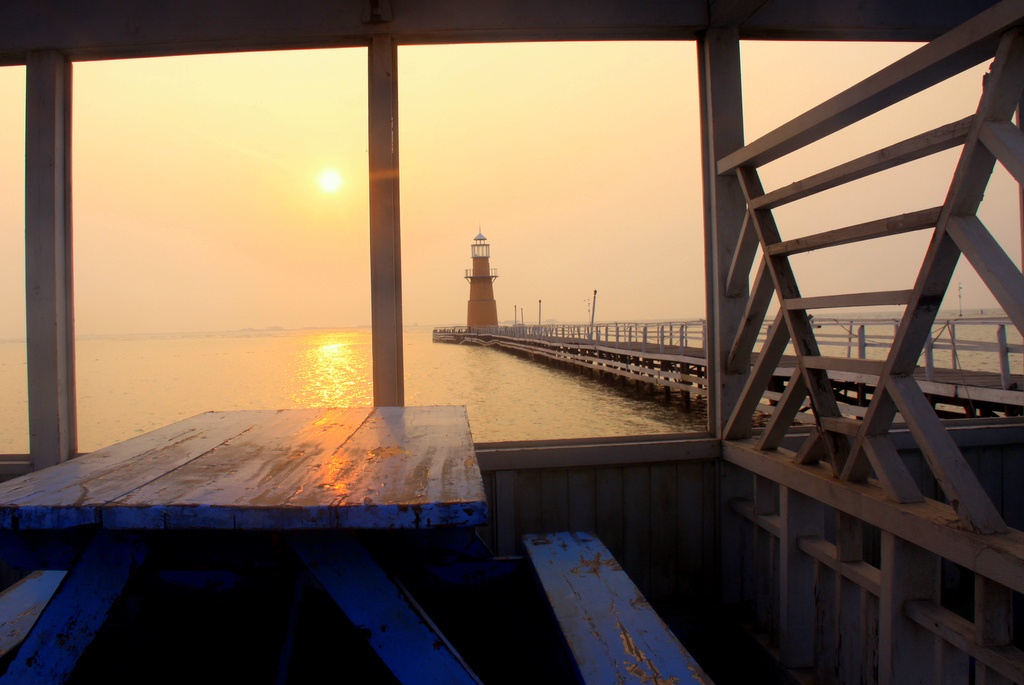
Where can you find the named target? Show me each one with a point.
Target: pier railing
(662, 337)
(978, 344)
(973, 343)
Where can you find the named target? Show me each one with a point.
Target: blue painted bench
(21, 604)
(612, 631)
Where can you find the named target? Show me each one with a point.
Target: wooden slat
(782, 414)
(614, 634)
(840, 425)
(863, 574)
(742, 259)
(71, 495)
(927, 143)
(996, 269)
(335, 469)
(955, 477)
(879, 228)
(892, 473)
(867, 367)
(771, 352)
(819, 388)
(963, 47)
(331, 468)
(959, 632)
(757, 306)
(872, 299)
(1006, 142)
(394, 625)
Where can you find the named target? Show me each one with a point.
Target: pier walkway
(966, 370)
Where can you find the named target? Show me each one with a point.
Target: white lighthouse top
(480, 236)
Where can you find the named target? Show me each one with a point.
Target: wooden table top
(293, 469)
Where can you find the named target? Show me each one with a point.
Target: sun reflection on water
(334, 370)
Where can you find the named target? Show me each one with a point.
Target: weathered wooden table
(317, 476)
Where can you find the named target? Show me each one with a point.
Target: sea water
(131, 384)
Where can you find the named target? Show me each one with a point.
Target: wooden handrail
(965, 46)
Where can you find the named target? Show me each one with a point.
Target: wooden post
(906, 651)
(721, 122)
(49, 281)
(929, 358)
(993, 624)
(1004, 357)
(385, 237)
(952, 346)
(849, 600)
(799, 516)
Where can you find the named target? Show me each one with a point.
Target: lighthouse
(482, 309)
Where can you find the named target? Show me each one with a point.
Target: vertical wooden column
(49, 298)
(799, 516)
(766, 559)
(385, 237)
(906, 651)
(850, 599)
(993, 625)
(735, 535)
(721, 119)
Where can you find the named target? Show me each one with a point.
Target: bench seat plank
(614, 634)
(21, 604)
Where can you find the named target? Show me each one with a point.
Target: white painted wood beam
(917, 147)
(1002, 90)
(994, 266)
(105, 29)
(721, 116)
(963, 47)
(955, 476)
(48, 261)
(385, 235)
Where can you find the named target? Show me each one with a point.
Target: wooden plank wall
(655, 511)
(857, 599)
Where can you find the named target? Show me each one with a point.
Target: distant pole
(538, 312)
(960, 297)
(593, 309)
(515, 314)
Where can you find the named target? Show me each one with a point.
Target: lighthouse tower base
(482, 313)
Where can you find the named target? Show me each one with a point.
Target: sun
(330, 180)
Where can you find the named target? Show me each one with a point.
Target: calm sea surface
(128, 385)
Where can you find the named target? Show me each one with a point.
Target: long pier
(961, 374)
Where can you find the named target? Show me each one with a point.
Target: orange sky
(197, 207)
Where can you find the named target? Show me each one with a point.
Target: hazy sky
(197, 204)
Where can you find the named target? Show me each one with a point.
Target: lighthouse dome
(480, 236)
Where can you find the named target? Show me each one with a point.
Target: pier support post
(721, 120)
(385, 237)
(49, 298)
